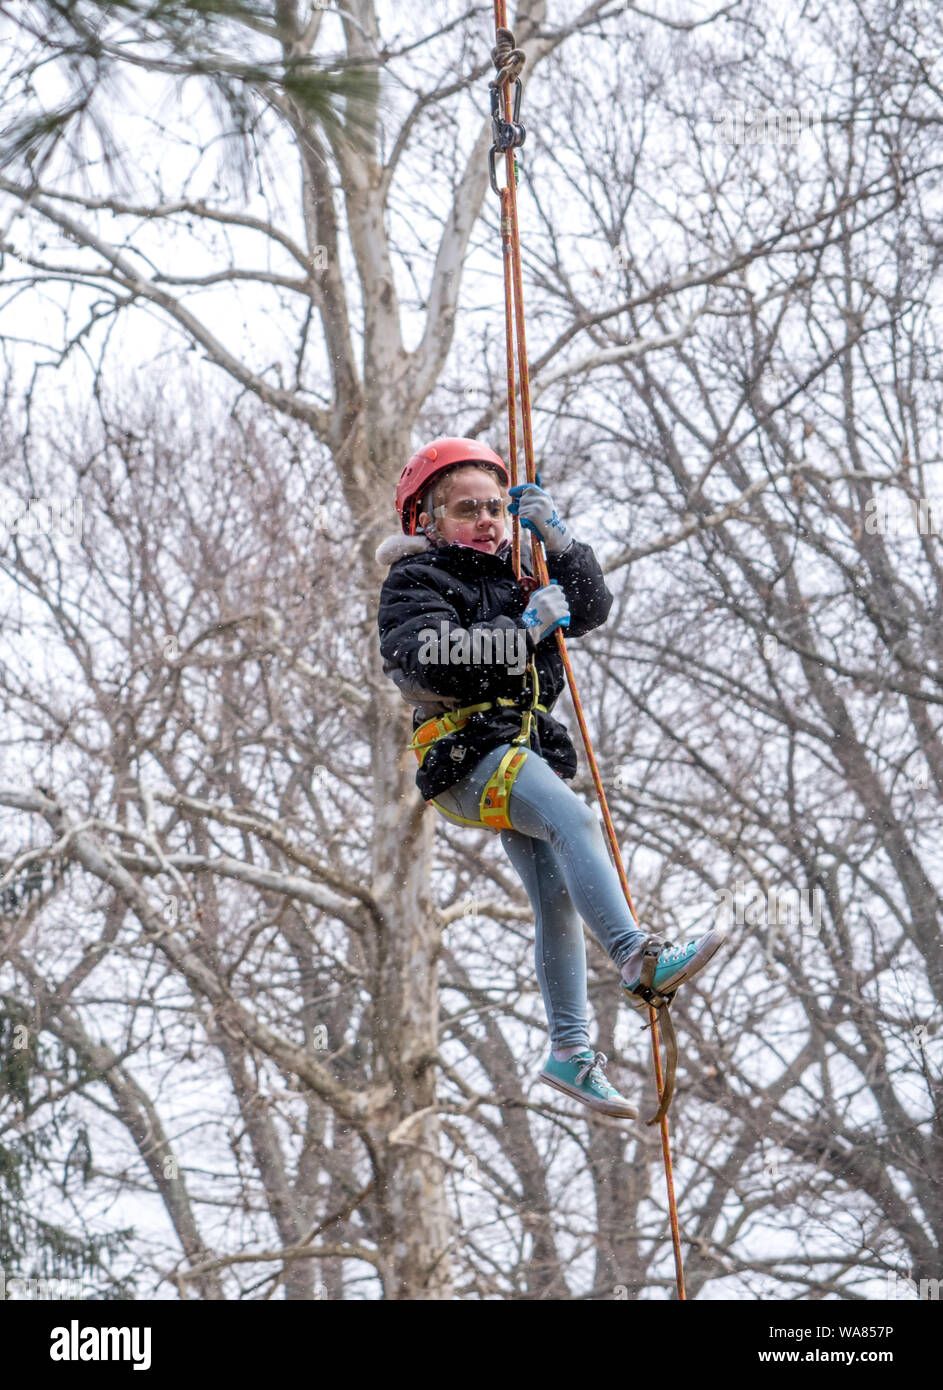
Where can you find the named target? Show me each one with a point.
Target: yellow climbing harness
(496, 794)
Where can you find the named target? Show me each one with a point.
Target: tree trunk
(406, 1000)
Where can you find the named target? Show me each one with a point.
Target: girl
(472, 649)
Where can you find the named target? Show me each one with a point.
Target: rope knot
(507, 58)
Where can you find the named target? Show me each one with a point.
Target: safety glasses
(469, 508)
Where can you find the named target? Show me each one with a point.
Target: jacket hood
(396, 546)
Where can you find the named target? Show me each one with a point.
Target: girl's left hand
(537, 512)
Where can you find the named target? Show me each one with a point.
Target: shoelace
(599, 1060)
(671, 953)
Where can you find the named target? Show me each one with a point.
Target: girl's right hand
(548, 609)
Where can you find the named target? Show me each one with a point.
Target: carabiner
(506, 135)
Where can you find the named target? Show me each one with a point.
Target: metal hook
(506, 135)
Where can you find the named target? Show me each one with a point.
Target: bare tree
(731, 359)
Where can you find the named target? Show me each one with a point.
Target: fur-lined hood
(394, 547)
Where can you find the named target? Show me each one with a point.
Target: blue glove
(537, 512)
(548, 609)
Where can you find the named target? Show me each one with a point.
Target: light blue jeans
(560, 854)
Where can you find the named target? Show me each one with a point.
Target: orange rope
(514, 279)
(508, 252)
(666, 1155)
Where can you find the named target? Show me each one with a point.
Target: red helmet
(432, 459)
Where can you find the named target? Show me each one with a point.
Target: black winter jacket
(428, 586)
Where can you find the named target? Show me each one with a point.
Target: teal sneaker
(676, 964)
(583, 1078)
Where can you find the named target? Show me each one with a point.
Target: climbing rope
(508, 135)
